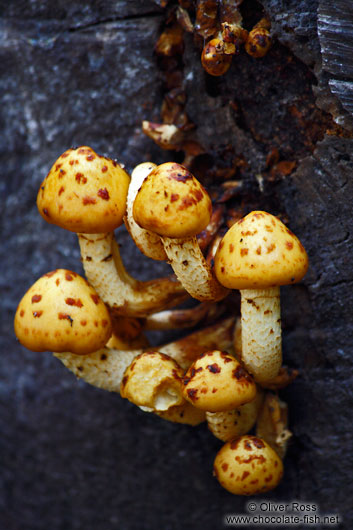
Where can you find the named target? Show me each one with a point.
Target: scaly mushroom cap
(153, 380)
(216, 382)
(84, 192)
(62, 312)
(259, 251)
(248, 465)
(172, 203)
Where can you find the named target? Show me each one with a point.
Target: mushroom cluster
(228, 372)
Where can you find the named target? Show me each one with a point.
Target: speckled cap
(172, 203)
(247, 465)
(62, 312)
(259, 251)
(84, 192)
(217, 382)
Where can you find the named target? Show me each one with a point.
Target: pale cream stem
(261, 332)
(105, 368)
(192, 270)
(106, 273)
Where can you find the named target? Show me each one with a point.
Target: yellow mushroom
(174, 205)
(257, 255)
(247, 465)
(61, 312)
(86, 193)
(153, 380)
(148, 242)
(216, 381)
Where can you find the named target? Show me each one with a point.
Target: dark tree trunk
(75, 457)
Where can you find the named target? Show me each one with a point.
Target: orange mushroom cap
(259, 251)
(84, 192)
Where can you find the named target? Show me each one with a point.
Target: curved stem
(105, 368)
(105, 271)
(192, 270)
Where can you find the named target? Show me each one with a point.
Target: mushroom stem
(192, 270)
(261, 332)
(127, 296)
(229, 424)
(105, 368)
(183, 318)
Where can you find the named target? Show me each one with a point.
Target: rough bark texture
(73, 457)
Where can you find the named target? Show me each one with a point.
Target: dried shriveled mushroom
(247, 466)
(86, 193)
(61, 312)
(257, 255)
(174, 205)
(154, 381)
(216, 381)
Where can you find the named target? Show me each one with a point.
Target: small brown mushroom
(259, 40)
(61, 312)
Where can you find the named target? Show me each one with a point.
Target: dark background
(74, 457)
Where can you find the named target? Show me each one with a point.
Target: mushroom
(105, 368)
(183, 318)
(153, 380)
(174, 205)
(231, 423)
(248, 465)
(61, 312)
(148, 242)
(216, 381)
(257, 255)
(86, 193)
(216, 57)
(259, 40)
(272, 423)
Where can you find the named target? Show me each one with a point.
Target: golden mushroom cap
(172, 203)
(217, 382)
(259, 251)
(84, 192)
(247, 466)
(213, 58)
(258, 43)
(62, 312)
(153, 380)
